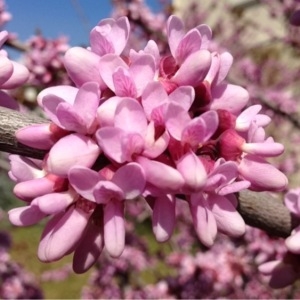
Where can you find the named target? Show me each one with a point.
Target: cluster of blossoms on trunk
(140, 126)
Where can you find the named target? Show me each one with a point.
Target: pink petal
(109, 140)
(261, 174)
(114, 228)
(203, 219)
(153, 96)
(245, 118)
(211, 121)
(84, 152)
(8, 101)
(283, 276)
(194, 68)
(84, 180)
(268, 267)
(110, 36)
(152, 49)
(163, 219)
(83, 66)
(183, 96)
(234, 187)
(119, 34)
(40, 136)
(26, 216)
(194, 132)
(53, 203)
(23, 168)
(106, 191)
(176, 120)
(192, 170)
(263, 149)
(227, 169)
(132, 144)
(206, 35)
(232, 98)
(189, 44)
(228, 219)
(161, 175)
(108, 65)
(106, 111)
(62, 234)
(131, 179)
(124, 85)
(99, 42)
(175, 32)
(293, 241)
(49, 104)
(19, 76)
(292, 201)
(130, 117)
(65, 92)
(31, 189)
(214, 68)
(226, 60)
(6, 69)
(154, 148)
(87, 101)
(69, 119)
(89, 248)
(257, 134)
(142, 71)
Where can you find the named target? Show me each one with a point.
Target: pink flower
(77, 114)
(127, 183)
(110, 36)
(188, 64)
(12, 74)
(131, 134)
(210, 208)
(127, 80)
(85, 151)
(164, 128)
(83, 66)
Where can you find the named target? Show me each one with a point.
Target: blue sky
(57, 17)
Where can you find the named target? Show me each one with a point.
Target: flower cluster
(12, 75)
(44, 61)
(285, 269)
(143, 126)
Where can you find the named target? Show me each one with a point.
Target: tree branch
(259, 210)
(17, 45)
(11, 121)
(262, 210)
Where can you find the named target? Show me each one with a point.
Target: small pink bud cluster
(44, 61)
(5, 16)
(164, 129)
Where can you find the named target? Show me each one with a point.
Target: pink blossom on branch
(141, 125)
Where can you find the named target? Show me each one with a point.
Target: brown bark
(11, 121)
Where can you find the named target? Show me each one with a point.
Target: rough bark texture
(11, 121)
(266, 212)
(259, 210)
